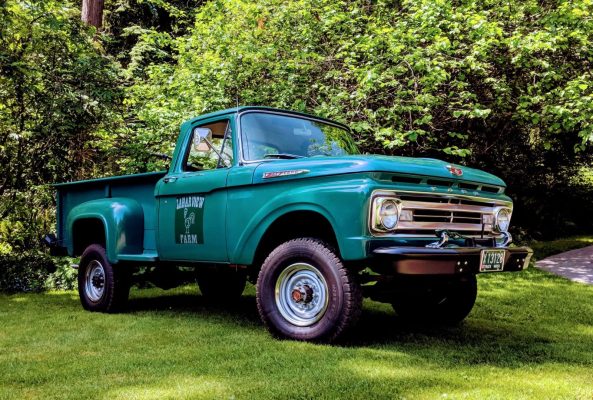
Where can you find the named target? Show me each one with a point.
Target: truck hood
(322, 166)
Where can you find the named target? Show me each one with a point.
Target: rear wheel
(304, 292)
(444, 303)
(101, 286)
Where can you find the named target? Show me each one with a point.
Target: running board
(147, 256)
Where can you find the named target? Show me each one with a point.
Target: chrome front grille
(452, 217)
(422, 214)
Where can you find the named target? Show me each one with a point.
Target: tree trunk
(92, 12)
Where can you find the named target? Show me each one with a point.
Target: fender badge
(279, 174)
(454, 170)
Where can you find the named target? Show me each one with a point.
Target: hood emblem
(279, 174)
(454, 170)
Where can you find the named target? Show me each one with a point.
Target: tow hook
(444, 237)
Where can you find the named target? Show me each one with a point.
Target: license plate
(492, 260)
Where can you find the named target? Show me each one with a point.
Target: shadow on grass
(374, 327)
(245, 307)
(471, 342)
(475, 341)
(528, 319)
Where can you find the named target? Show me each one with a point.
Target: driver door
(193, 200)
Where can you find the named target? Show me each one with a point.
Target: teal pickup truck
(285, 200)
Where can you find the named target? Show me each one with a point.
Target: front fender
(123, 221)
(342, 204)
(251, 237)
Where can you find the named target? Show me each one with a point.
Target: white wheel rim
(301, 294)
(94, 281)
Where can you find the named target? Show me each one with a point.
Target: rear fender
(123, 221)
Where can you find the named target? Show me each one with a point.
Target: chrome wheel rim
(301, 294)
(94, 281)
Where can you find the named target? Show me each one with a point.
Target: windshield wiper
(284, 156)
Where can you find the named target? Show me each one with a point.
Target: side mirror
(202, 138)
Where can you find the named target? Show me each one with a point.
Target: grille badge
(454, 170)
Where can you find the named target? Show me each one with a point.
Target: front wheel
(441, 303)
(101, 286)
(304, 292)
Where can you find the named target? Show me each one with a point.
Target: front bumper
(443, 261)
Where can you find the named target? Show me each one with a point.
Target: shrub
(26, 272)
(64, 277)
(35, 272)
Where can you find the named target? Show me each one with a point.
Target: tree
(92, 12)
(58, 95)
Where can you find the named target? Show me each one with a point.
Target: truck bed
(139, 187)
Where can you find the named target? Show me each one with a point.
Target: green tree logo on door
(189, 220)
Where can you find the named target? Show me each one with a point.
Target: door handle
(170, 179)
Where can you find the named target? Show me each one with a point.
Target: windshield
(269, 136)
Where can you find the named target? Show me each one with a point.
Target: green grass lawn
(530, 335)
(548, 248)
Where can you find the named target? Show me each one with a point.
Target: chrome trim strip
(280, 174)
(389, 192)
(450, 226)
(446, 207)
(427, 236)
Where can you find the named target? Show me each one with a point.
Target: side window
(210, 147)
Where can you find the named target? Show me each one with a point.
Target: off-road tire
(115, 283)
(221, 285)
(344, 296)
(444, 303)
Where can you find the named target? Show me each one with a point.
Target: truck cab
(286, 200)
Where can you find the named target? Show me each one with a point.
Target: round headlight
(503, 220)
(388, 214)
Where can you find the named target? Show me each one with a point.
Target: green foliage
(64, 277)
(33, 271)
(139, 32)
(408, 75)
(497, 85)
(25, 272)
(528, 337)
(58, 98)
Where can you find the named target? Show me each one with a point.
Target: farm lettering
(189, 220)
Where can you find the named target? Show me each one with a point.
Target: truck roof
(246, 108)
